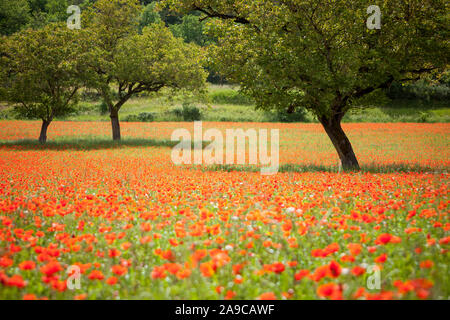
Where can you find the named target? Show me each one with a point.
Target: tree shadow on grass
(85, 144)
(371, 168)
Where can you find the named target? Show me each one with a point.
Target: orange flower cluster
(136, 226)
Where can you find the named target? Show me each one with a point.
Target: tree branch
(214, 14)
(71, 96)
(360, 92)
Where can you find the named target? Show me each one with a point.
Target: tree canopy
(13, 15)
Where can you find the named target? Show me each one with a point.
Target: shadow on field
(85, 144)
(373, 168)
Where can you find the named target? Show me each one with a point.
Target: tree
(148, 16)
(321, 55)
(43, 12)
(37, 5)
(127, 63)
(14, 15)
(41, 72)
(191, 30)
(57, 10)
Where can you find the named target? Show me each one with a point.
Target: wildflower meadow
(136, 226)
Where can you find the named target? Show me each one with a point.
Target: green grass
(91, 143)
(87, 143)
(403, 111)
(225, 104)
(397, 111)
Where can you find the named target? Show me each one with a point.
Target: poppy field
(136, 226)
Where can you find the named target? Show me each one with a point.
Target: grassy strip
(371, 168)
(225, 104)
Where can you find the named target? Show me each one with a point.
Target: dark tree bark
(115, 125)
(43, 135)
(341, 143)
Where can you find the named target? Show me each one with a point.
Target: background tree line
(16, 15)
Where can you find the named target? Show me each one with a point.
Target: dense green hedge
(419, 90)
(230, 96)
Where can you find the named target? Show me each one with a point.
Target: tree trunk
(341, 143)
(43, 135)
(115, 125)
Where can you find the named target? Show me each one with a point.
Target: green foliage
(423, 117)
(148, 16)
(8, 114)
(37, 5)
(42, 71)
(103, 107)
(191, 29)
(146, 117)
(281, 115)
(109, 21)
(14, 15)
(421, 90)
(141, 117)
(89, 95)
(230, 96)
(56, 10)
(157, 59)
(444, 77)
(188, 112)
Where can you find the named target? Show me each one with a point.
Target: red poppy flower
(27, 265)
(267, 296)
